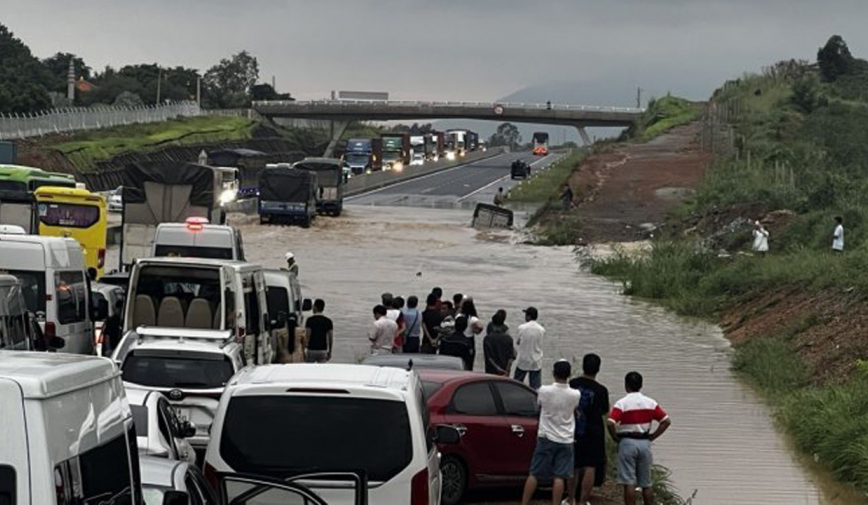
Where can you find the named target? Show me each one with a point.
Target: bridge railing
(421, 104)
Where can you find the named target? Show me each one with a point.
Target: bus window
(68, 214)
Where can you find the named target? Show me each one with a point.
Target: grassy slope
(86, 148)
(824, 152)
(662, 115)
(545, 185)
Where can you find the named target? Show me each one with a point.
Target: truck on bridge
(396, 150)
(364, 155)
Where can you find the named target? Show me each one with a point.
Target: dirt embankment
(623, 195)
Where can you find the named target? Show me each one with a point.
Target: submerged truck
(287, 195)
(396, 150)
(164, 192)
(329, 183)
(364, 155)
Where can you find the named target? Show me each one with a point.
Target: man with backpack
(590, 446)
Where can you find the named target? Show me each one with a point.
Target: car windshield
(357, 158)
(297, 434)
(177, 372)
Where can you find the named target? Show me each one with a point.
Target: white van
(202, 294)
(196, 238)
(53, 273)
(284, 295)
(67, 431)
(281, 421)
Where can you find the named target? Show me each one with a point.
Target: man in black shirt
(458, 345)
(431, 319)
(590, 444)
(320, 335)
(498, 347)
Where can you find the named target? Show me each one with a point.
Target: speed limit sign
(498, 109)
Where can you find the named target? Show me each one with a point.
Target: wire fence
(19, 126)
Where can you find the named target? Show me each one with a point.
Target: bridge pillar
(337, 131)
(584, 134)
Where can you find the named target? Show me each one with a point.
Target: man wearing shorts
(590, 446)
(553, 456)
(630, 424)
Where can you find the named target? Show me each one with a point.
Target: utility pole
(274, 83)
(70, 81)
(638, 98)
(159, 83)
(199, 90)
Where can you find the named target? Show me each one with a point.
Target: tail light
(50, 331)
(211, 477)
(419, 488)
(100, 260)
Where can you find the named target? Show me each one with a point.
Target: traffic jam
(174, 377)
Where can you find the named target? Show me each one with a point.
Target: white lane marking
(373, 191)
(483, 188)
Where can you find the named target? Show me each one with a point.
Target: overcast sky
(449, 49)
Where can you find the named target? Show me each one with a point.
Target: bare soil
(625, 194)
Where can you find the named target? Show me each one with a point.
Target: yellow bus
(75, 213)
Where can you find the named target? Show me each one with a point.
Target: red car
(497, 418)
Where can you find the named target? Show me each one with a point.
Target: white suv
(190, 367)
(282, 421)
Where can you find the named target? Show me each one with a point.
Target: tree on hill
(507, 134)
(227, 83)
(834, 59)
(23, 79)
(264, 91)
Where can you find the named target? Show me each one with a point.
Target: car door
(168, 425)
(199, 491)
(521, 419)
(485, 440)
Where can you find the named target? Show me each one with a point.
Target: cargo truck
(417, 149)
(287, 194)
(472, 141)
(396, 151)
(364, 155)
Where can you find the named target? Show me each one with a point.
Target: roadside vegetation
(546, 185)
(798, 148)
(84, 149)
(661, 115)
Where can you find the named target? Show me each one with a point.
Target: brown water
(722, 444)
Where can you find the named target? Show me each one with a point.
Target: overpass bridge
(343, 111)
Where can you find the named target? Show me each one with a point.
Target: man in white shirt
(760, 239)
(382, 333)
(838, 235)
(530, 353)
(553, 456)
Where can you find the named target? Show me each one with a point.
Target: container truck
(396, 150)
(364, 155)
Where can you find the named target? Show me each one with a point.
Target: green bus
(17, 184)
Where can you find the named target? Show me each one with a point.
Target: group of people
(450, 328)
(311, 343)
(571, 445)
(760, 243)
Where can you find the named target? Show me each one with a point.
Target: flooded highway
(722, 446)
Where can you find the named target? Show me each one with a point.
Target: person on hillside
(499, 197)
(474, 326)
(553, 455)
(530, 353)
(838, 235)
(497, 346)
(456, 344)
(431, 319)
(760, 239)
(382, 333)
(320, 335)
(567, 197)
(630, 424)
(412, 326)
(590, 444)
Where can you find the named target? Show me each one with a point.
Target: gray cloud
(451, 49)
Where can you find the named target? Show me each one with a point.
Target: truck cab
(329, 183)
(202, 294)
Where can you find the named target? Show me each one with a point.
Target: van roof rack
(224, 337)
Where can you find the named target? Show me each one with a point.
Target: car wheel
(454, 480)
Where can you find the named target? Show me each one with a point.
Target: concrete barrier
(377, 180)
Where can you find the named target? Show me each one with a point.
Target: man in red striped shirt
(630, 424)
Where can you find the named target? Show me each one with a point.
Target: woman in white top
(474, 324)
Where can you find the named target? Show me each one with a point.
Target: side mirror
(176, 498)
(188, 429)
(447, 435)
(306, 305)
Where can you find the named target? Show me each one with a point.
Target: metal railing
(421, 104)
(19, 126)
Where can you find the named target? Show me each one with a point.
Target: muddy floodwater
(722, 445)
